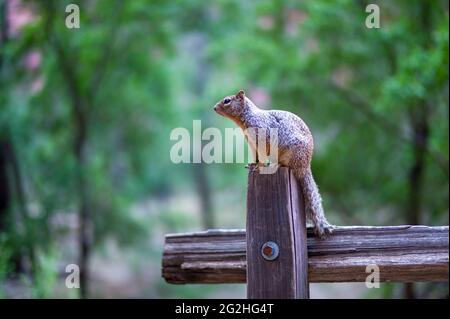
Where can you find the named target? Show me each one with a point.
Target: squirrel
(295, 148)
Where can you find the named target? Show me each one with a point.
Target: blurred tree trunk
(5, 192)
(11, 186)
(204, 192)
(12, 190)
(420, 126)
(27, 228)
(419, 122)
(200, 172)
(79, 124)
(81, 101)
(85, 227)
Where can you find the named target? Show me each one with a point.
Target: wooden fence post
(276, 228)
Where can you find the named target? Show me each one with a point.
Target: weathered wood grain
(275, 213)
(403, 254)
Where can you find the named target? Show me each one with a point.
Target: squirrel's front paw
(323, 230)
(255, 167)
(252, 167)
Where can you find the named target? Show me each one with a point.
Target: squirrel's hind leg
(263, 168)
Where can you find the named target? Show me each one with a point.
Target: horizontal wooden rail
(402, 253)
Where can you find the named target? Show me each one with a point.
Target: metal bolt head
(270, 250)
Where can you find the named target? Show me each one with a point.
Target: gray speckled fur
(295, 148)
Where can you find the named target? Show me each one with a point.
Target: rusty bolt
(270, 250)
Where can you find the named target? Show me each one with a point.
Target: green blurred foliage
(142, 68)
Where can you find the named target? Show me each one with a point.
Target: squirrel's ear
(240, 94)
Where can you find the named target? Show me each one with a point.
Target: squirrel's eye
(227, 101)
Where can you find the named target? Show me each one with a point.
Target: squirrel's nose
(215, 108)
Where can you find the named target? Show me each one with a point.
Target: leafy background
(86, 115)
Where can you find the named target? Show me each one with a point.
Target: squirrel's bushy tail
(313, 204)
